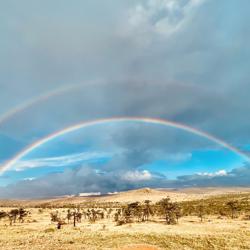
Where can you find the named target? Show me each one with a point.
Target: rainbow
(58, 91)
(29, 103)
(85, 124)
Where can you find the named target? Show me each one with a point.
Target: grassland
(215, 232)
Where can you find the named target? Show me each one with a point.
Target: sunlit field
(217, 222)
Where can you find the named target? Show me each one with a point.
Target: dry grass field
(214, 232)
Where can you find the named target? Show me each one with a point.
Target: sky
(65, 63)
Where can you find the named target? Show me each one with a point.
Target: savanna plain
(198, 218)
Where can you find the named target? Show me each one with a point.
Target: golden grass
(188, 234)
(37, 232)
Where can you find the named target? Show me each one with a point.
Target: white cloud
(111, 193)
(86, 180)
(162, 16)
(137, 175)
(89, 194)
(29, 179)
(218, 173)
(59, 161)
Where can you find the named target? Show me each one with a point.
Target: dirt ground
(37, 232)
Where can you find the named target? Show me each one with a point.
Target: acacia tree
(69, 215)
(74, 218)
(54, 216)
(171, 210)
(13, 215)
(22, 213)
(147, 211)
(3, 214)
(76, 214)
(128, 212)
(117, 215)
(201, 211)
(93, 215)
(234, 207)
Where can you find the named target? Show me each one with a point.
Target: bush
(120, 222)
(49, 230)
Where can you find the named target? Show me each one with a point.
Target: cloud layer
(60, 161)
(184, 60)
(86, 180)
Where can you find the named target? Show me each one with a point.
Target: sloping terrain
(133, 195)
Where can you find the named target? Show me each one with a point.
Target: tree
(69, 215)
(234, 207)
(54, 216)
(13, 215)
(171, 210)
(147, 211)
(116, 216)
(3, 214)
(74, 216)
(22, 213)
(93, 215)
(201, 211)
(133, 210)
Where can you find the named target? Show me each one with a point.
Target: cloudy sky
(65, 63)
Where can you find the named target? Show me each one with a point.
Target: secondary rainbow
(85, 124)
(38, 99)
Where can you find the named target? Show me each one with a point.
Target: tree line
(164, 210)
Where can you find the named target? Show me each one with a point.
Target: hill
(187, 194)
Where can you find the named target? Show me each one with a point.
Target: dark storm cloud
(188, 64)
(82, 179)
(129, 46)
(141, 144)
(178, 102)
